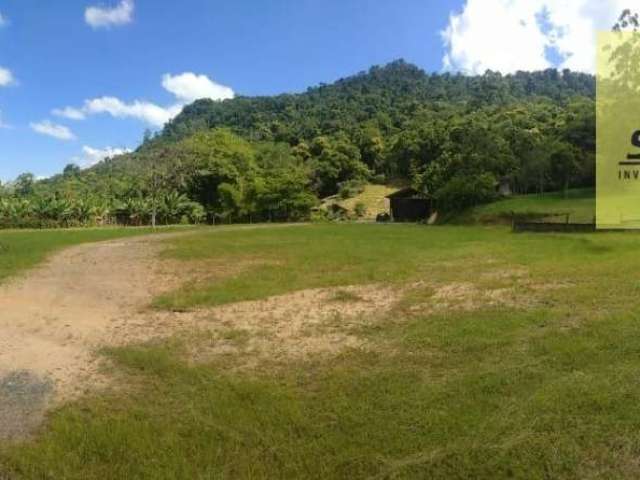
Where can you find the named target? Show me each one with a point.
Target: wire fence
(563, 224)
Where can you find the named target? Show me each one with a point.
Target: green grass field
(23, 249)
(541, 384)
(580, 206)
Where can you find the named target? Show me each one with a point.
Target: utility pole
(155, 184)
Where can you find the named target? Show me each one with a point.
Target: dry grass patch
(300, 325)
(328, 321)
(507, 288)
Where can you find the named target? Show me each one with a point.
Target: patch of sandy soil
(56, 316)
(326, 321)
(519, 293)
(313, 322)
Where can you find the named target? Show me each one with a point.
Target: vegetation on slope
(366, 203)
(384, 97)
(579, 205)
(452, 137)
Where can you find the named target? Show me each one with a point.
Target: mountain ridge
(397, 79)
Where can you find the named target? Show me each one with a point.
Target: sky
(83, 79)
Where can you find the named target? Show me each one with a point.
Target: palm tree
(174, 205)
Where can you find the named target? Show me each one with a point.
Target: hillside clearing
(373, 198)
(579, 206)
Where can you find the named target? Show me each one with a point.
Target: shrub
(360, 209)
(319, 216)
(379, 179)
(350, 189)
(337, 213)
(464, 191)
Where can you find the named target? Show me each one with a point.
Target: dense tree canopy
(453, 137)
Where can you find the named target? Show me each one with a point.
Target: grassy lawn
(542, 385)
(275, 261)
(22, 249)
(580, 206)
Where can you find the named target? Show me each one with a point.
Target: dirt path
(54, 318)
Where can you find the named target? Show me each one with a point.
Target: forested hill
(452, 137)
(388, 95)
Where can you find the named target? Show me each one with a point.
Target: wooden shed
(408, 205)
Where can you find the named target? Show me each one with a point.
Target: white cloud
(105, 17)
(511, 35)
(186, 87)
(91, 156)
(6, 77)
(53, 130)
(189, 87)
(69, 113)
(145, 111)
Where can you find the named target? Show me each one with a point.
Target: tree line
(452, 137)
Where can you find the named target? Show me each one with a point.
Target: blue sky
(121, 66)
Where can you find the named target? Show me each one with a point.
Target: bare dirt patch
(325, 322)
(511, 288)
(80, 299)
(54, 317)
(467, 296)
(293, 326)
